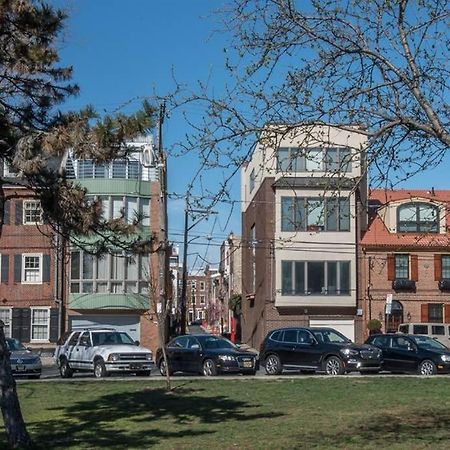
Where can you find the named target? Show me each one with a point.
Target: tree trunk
(15, 428)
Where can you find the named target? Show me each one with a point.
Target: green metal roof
(108, 301)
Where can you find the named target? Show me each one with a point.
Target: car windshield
(325, 336)
(111, 338)
(14, 345)
(427, 342)
(214, 342)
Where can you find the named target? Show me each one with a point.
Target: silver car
(23, 361)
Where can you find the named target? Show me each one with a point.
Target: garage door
(346, 327)
(129, 324)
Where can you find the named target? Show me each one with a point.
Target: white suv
(101, 351)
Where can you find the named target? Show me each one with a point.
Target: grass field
(309, 413)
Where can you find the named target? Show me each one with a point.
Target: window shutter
(424, 312)
(19, 212)
(53, 324)
(5, 269)
(437, 267)
(16, 331)
(414, 268)
(17, 268)
(6, 214)
(26, 324)
(46, 269)
(447, 313)
(391, 267)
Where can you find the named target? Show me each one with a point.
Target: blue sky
(123, 51)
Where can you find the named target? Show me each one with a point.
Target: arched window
(418, 218)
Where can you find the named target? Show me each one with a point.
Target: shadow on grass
(141, 419)
(424, 427)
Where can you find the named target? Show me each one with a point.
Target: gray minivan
(438, 331)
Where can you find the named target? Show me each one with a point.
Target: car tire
(64, 369)
(100, 369)
(162, 368)
(209, 368)
(427, 367)
(34, 377)
(333, 366)
(143, 373)
(272, 364)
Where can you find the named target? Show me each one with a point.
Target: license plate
(135, 366)
(248, 364)
(21, 368)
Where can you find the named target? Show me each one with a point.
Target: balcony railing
(404, 285)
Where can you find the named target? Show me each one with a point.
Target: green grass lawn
(309, 413)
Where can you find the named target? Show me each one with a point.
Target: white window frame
(35, 308)
(9, 324)
(41, 261)
(24, 212)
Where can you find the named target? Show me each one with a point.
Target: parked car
(23, 361)
(101, 351)
(438, 331)
(317, 350)
(412, 353)
(207, 354)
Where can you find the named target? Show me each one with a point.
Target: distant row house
(320, 249)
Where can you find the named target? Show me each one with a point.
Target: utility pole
(187, 210)
(166, 249)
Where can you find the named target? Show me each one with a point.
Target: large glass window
(32, 212)
(315, 214)
(402, 267)
(32, 268)
(6, 316)
(315, 277)
(446, 267)
(418, 218)
(435, 312)
(338, 159)
(40, 324)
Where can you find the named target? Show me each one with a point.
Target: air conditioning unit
(444, 285)
(404, 285)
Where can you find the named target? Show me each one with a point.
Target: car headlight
(227, 358)
(349, 352)
(113, 357)
(445, 358)
(148, 356)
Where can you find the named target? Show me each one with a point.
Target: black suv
(316, 349)
(412, 353)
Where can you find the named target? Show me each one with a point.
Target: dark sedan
(23, 361)
(412, 353)
(206, 354)
(316, 350)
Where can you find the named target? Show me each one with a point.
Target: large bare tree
(35, 138)
(381, 65)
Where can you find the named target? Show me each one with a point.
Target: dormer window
(418, 218)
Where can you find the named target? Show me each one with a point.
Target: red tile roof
(377, 235)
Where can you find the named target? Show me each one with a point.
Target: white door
(128, 323)
(345, 327)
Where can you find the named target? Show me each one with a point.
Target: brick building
(30, 297)
(197, 295)
(301, 194)
(405, 258)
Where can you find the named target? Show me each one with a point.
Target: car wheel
(64, 369)
(162, 368)
(427, 367)
(209, 368)
(272, 365)
(100, 369)
(333, 366)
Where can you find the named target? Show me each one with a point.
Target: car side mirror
(137, 343)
